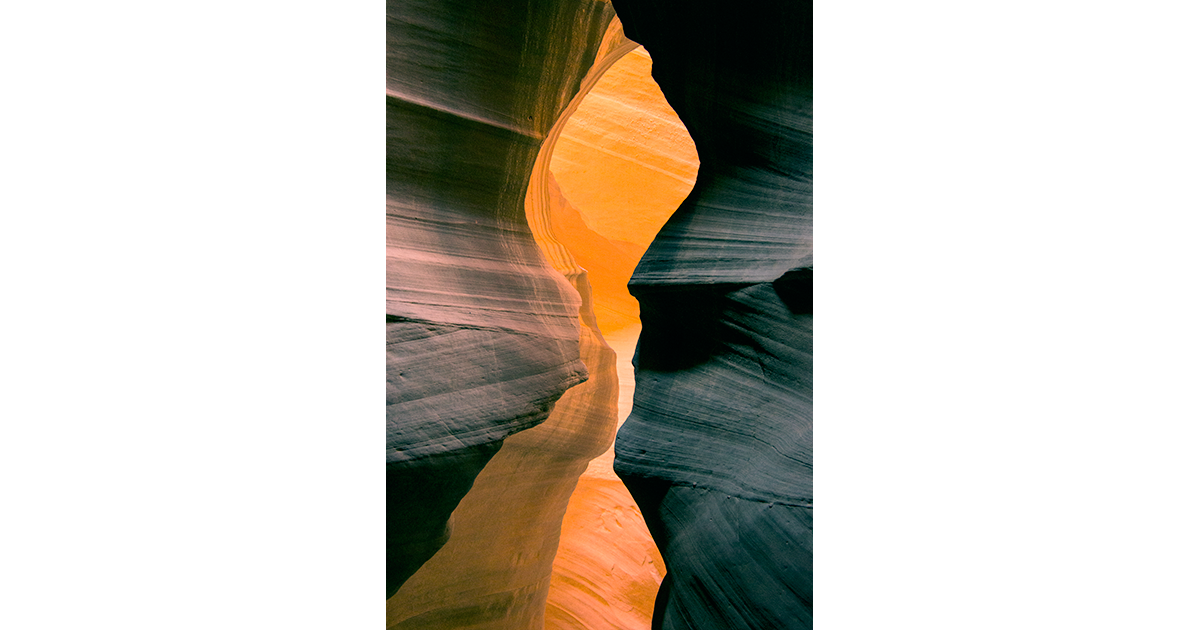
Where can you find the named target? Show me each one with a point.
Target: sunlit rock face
(718, 449)
(483, 335)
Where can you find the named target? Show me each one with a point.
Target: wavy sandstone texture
(718, 449)
(483, 334)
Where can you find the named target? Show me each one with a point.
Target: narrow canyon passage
(621, 165)
(538, 180)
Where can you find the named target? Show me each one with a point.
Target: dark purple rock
(718, 448)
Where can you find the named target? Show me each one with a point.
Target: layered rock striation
(718, 449)
(483, 335)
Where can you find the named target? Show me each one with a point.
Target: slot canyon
(599, 314)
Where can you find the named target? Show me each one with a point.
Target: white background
(191, 300)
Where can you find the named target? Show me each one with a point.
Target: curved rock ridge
(483, 334)
(718, 449)
(543, 199)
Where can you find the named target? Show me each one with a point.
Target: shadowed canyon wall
(718, 449)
